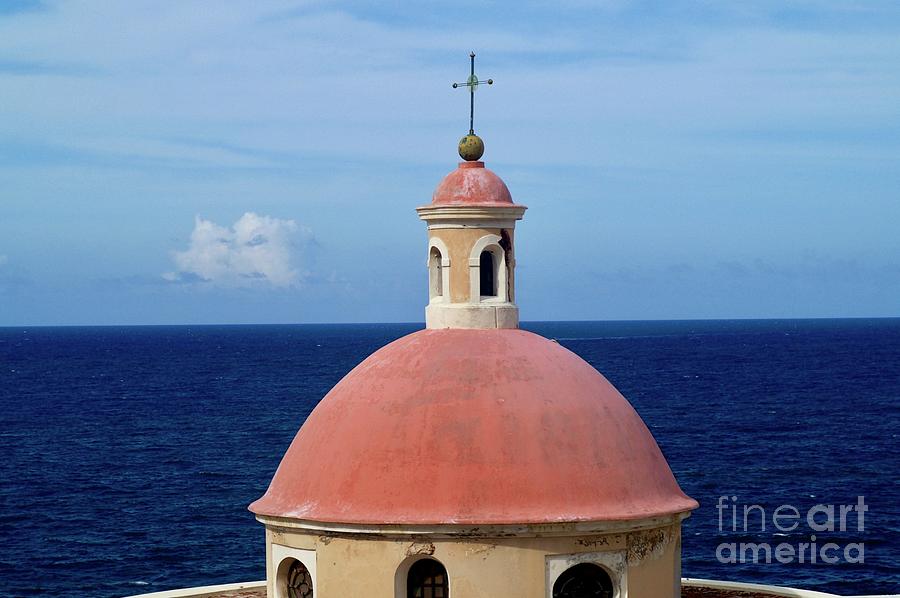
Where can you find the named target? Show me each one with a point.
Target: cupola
(472, 458)
(471, 251)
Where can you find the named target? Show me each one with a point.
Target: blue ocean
(128, 455)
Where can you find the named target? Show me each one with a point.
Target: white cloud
(249, 85)
(254, 250)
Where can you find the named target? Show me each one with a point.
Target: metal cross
(472, 82)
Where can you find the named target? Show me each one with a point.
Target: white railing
(201, 591)
(781, 591)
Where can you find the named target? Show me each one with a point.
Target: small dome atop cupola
(470, 184)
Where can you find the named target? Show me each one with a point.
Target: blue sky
(244, 162)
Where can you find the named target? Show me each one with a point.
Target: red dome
(473, 427)
(472, 184)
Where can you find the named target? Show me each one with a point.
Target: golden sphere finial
(471, 147)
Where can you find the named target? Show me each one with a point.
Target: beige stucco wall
(459, 242)
(654, 563)
(481, 568)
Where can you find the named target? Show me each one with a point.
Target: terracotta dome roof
(472, 184)
(462, 426)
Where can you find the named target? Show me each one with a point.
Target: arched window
(435, 273)
(585, 580)
(298, 581)
(427, 578)
(487, 274)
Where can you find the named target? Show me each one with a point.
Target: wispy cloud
(8, 7)
(24, 67)
(273, 75)
(680, 129)
(255, 250)
(173, 153)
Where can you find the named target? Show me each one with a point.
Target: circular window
(299, 581)
(586, 580)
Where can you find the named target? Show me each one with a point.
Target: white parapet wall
(199, 592)
(781, 591)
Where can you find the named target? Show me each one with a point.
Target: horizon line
(422, 323)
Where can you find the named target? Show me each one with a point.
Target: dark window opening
(299, 581)
(586, 580)
(427, 578)
(487, 279)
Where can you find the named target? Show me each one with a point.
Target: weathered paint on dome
(473, 427)
(472, 184)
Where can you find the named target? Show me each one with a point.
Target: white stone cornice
(470, 216)
(523, 530)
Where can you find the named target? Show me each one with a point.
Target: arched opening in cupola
(487, 274)
(435, 274)
(585, 580)
(294, 580)
(427, 578)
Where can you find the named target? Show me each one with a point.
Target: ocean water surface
(128, 455)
